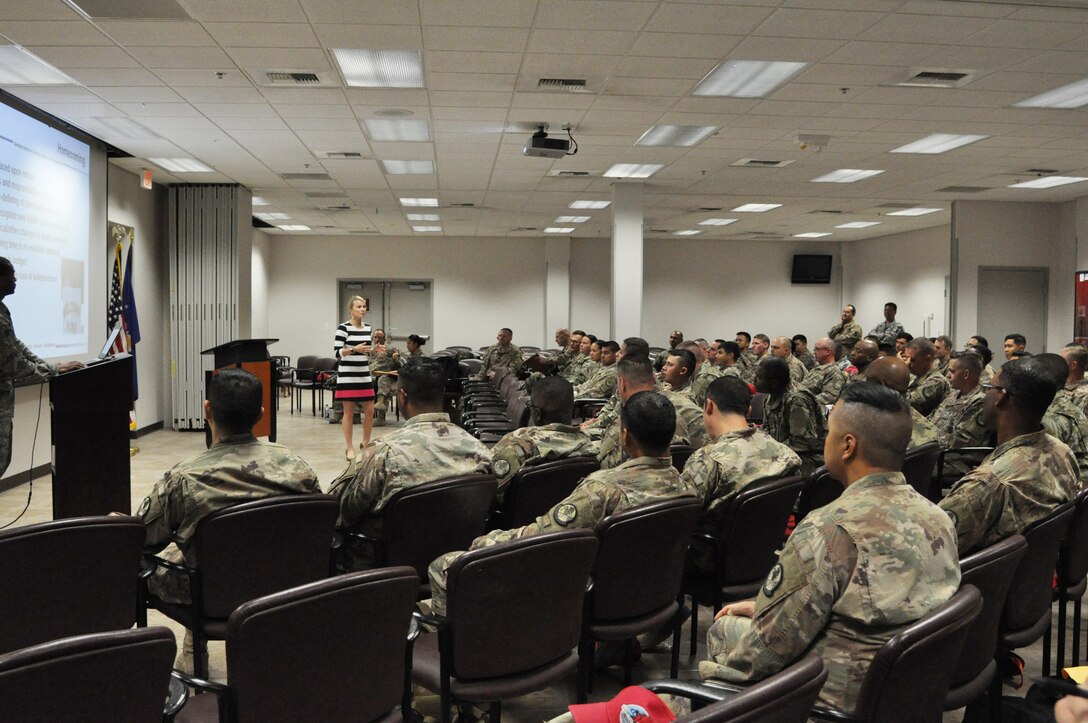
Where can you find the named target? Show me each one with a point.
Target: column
(626, 260)
(556, 286)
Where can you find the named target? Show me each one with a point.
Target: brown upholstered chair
(537, 488)
(335, 649)
(302, 378)
(1072, 569)
(990, 571)
(513, 619)
(246, 551)
(69, 577)
(743, 548)
(819, 489)
(122, 675)
(423, 522)
(919, 466)
(636, 580)
(785, 697)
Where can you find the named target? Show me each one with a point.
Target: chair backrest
(1073, 561)
(329, 650)
(434, 518)
(640, 563)
(304, 369)
(121, 675)
(680, 454)
(537, 488)
(518, 606)
(759, 399)
(990, 571)
(470, 367)
(52, 566)
(459, 348)
(325, 364)
(909, 676)
(819, 489)
(1031, 593)
(753, 527)
(785, 697)
(919, 466)
(257, 548)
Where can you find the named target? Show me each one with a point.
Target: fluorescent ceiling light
(812, 234)
(674, 135)
(294, 227)
(858, 224)
(1049, 182)
(917, 211)
(717, 221)
(572, 219)
(633, 170)
(116, 128)
(272, 216)
(756, 207)
(746, 78)
(590, 204)
(428, 202)
(846, 175)
(937, 143)
(397, 129)
(422, 217)
(21, 67)
(182, 165)
(559, 229)
(402, 168)
(1072, 95)
(686, 232)
(258, 201)
(380, 68)
(427, 229)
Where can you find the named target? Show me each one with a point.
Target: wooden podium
(89, 409)
(251, 355)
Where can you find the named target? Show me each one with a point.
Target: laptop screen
(109, 342)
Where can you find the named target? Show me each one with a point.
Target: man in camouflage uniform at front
(501, 354)
(16, 363)
(550, 437)
(790, 414)
(891, 372)
(387, 361)
(929, 386)
(959, 419)
(1027, 475)
(427, 448)
(1076, 386)
(647, 477)
(826, 379)
(852, 574)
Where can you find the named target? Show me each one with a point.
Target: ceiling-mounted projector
(541, 146)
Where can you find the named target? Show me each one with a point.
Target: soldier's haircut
(801, 338)
(1076, 353)
(886, 347)
(689, 345)
(906, 336)
(235, 398)
(730, 346)
(651, 419)
(5, 265)
(611, 346)
(730, 394)
(983, 351)
(554, 397)
(895, 307)
(1017, 339)
(1030, 384)
(720, 342)
(970, 360)
(923, 345)
(591, 337)
(423, 380)
(776, 370)
(946, 340)
(417, 339)
(636, 345)
(981, 340)
(745, 334)
(687, 359)
(879, 417)
(1055, 366)
(764, 338)
(507, 330)
(635, 370)
(577, 332)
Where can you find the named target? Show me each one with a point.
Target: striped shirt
(353, 380)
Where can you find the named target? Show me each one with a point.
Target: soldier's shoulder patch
(144, 507)
(774, 579)
(502, 467)
(566, 514)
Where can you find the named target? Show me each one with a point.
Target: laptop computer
(104, 353)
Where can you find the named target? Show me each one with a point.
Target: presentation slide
(45, 193)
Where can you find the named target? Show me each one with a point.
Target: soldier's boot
(380, 407)
(184, 661)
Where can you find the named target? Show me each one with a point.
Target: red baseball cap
(633, 704)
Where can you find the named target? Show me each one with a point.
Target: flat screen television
(811, 269)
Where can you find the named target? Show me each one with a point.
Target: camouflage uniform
(533, 445)
(579, 369)
(846, 334)
(887, 331)
(16, 362)
(851, 576)
(496, 356)
(987, 374)
(636, 482)
(386, 384)
(1021, 481)
(922, 431)
(825, 382)
(925, 393)
(807, 358)
(959, 423)
(797, 369)
(690, 429)
(1066, 422)
(1077, 392)
(599, 386)
(235, 469)
(795, 419)
(746, 366)
(696, 390)
(427, 448)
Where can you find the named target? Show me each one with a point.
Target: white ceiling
(188, 82)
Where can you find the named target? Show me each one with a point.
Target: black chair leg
(1060, 662)
(494, 712)
(585, 667)
(1046, 649)
(693, 633)
(1076, 632)
(200, 656)
(629, 646)
(995, 689)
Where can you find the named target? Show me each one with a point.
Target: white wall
(259, 286)
(590, 274)
(907, 268)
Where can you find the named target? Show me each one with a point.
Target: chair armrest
(821, 713)
(693, 690)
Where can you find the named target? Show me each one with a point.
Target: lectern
(251, 355)
(89, 409)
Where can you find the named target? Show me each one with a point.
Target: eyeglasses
(988, 387)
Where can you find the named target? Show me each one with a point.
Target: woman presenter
(354, 384)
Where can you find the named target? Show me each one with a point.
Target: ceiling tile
(391, 12)
(161, 33)
(687, 18)
(479, 13)
(371, 37)
(287, 11)
(263, 35)
(181, 57)
(51, 32)
(597, 15)
(586, 42)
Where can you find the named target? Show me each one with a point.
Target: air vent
(339, 155)
(337, 207)
(898, 205)
(568, 174)
(326, 194)
(830, 211)
(461, 205)
(658, 230)
(937, 78)
(292, 78)
(305, 176)
(571, 85)
(962, 189)
(1040, 171)
(706, 209)
(363, 232)
(258, 223)
(761, 163)
(526, 228)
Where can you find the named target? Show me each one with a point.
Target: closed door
(1012, 301)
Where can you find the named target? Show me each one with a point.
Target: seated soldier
(826, 379)
(782, 347)
(791, 415)
(801, 351)
(1064, 420)
(708, 371)
(550, 437)
(891, 372)
(632, 346)
(853, 573)
(680, 367)
(602, 382)
(501, 354)
(1027, 475)
(236, 468)
(648, 421)
(959, 419)
(928, 387)
(427, 448)
(1076, 386)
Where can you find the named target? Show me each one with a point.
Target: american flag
(113, 313)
